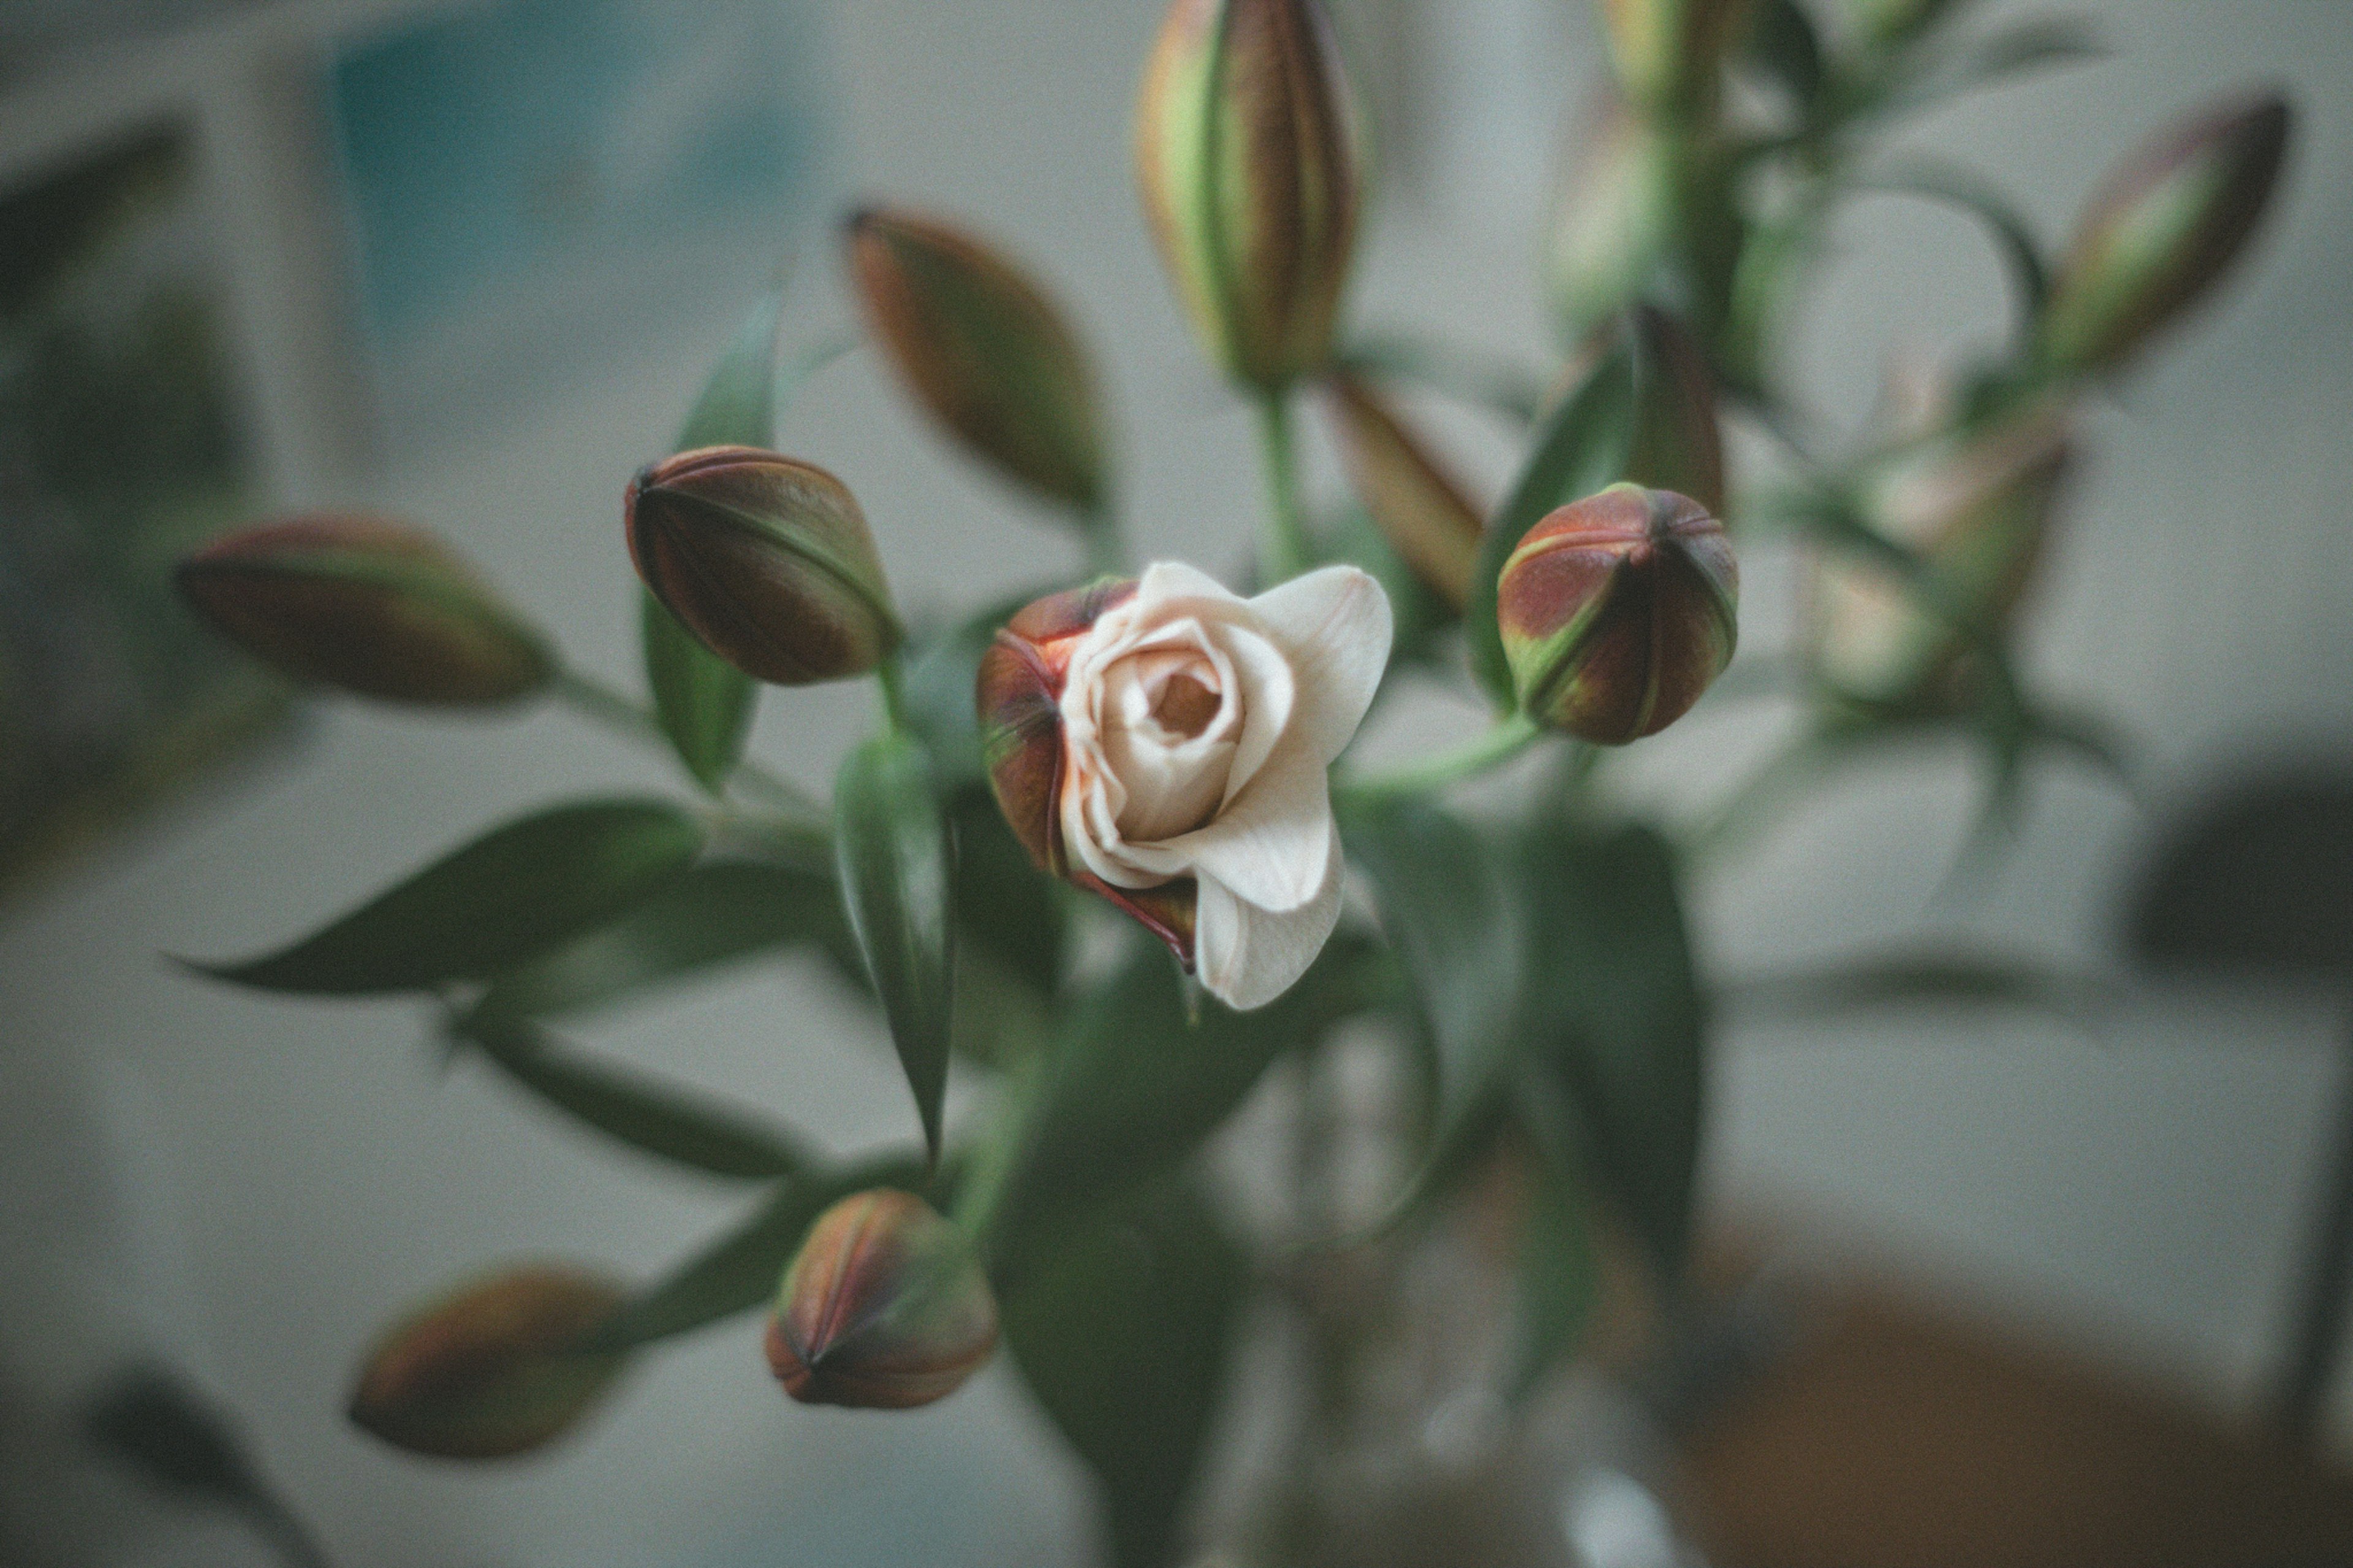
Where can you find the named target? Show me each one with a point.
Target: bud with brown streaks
(2169, 225)
(884, 1308)
(984, 351)
(492, 1370)
(369, 607)
(1421, 509)
(765, 560)
(1618, 611)
(1247, 153)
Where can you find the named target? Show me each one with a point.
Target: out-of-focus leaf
(1612, 1012)
(668, 1124)
(713, 916)
(2021, 251)
(1930, 980)
(506, 898)
(943, 666)
(1560, 1270)
(1121, 1330)
(895, 862)
(1581, 447)
(2047, 44)
(147, 1418)
(1783, 44)
(1416, 613)
(1004, 905)
(2258, 881)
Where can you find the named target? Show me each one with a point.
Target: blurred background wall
(252, 1186)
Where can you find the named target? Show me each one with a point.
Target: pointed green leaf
(737, 407)
(1122, 1329)
(1581, 447)
(669, 1123)
(1559, 1270)
(897, 884)
(2044, 44)
(506, 898)
(1978, 197)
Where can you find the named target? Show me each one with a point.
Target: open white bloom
(1198, 729)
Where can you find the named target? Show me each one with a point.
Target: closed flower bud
(1979, 511)
(766, 561)
(1613, 224)
(984, 351)
(1246, 154)
(1421, 508)
(884, 1308)
(1617, 613)
(1668, 52)
(2163, 233)
(492, 1370)
(367, 606)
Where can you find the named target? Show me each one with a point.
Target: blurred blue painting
(533, 183)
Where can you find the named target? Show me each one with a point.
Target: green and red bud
(766, 561)
(1018, 698)
(2167, 226)
(367, 606)
(1613, 226)
(884, 1308)
(492, 1370)
(1669, 53)
(1247, 150)
(1618, 611)
(984, 351)
(1422, 510)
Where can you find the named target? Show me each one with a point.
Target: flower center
(1186, 707)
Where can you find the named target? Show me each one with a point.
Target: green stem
(1507, 740)
(594, 700)
(894, 693)
(1284, 551)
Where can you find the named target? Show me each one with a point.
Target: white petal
(1334, 626)
(1272, 845)
(1247, 956)
(1167, 582)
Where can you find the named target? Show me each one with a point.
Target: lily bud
(2167, 226)
(984, 351)
(1247, 151)
(366, 605)
(1618, 611)
(1668, 52)
(1613, 219)
(1978, 509)
(1019, 696)
(766, 561)
(1421, 509)
(492, 1370)
(885, 1308)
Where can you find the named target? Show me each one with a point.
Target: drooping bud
(1617, 611)
(1668, 53)
(766, 561)
(1978, 510)
(1019, 696)
(1613, 219)
(1421, 509)
(1247, 151)
(885, 1308)
(2164, 231)
(984, 351)
(492, 1370)
(368, 607)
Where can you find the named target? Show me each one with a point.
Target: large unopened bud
(1618, 611)
(1613, 219)
(766, 561)
(2164, 231)
(984, 351)
(1669, 52)
(369, 607)
(1978, 510)
(492, 1370)
(1247, 153)
(1420, 508)
(885, 1308)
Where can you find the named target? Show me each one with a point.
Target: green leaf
(1976, 196)
(2047, 44)
(737, 407)
(741, 1271)
(669, 1123)
(507, 897)
(1612, 1014)
(2256, 882)
(702, 702)
(942, 668)
(713, 916)
(1559, 1270)
(1915, 980)
(1783, 44)
(894, 859)
(1122, 1331)
(148, 1418)
(1005, 906)
(1581, 448)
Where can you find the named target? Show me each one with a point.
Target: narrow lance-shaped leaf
(897, 884)
(1560, 1270)
(506, 898)
(669, 1123)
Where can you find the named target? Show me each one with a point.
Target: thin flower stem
(1507, 740)
(594, 699)
(1285, 550)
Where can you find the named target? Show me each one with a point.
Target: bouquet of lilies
(1097, 851)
